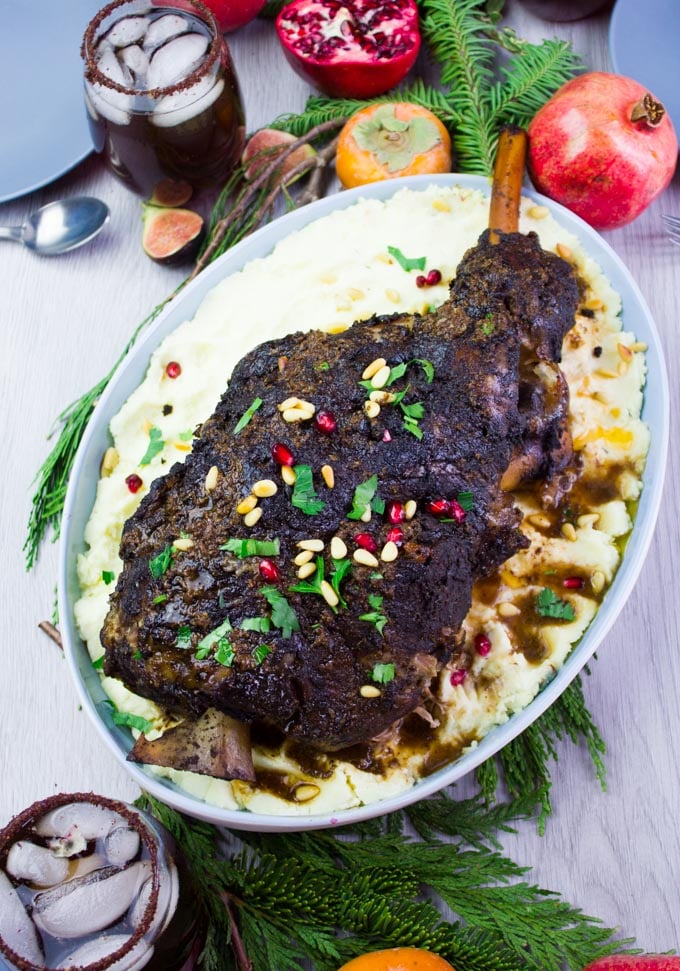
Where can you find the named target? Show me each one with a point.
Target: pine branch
(530, 79)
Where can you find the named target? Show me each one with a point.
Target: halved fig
(262, 147)
(215, 745)
(171, 193)
(171, 235)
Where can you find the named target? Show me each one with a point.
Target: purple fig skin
(262, 147)
(170, 194)
(171, 235)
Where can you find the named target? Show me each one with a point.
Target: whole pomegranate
(232, 14)
(357, 49)
(603, 147)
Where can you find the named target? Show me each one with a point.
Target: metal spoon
(60, 226)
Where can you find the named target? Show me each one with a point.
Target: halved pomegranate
(356, 49)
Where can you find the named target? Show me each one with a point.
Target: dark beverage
(161, 94)
(90, 882)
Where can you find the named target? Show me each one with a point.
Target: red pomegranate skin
(635, 962)
(232, 14)
(586, 153)
(352, 70)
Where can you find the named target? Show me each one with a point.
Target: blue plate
(44, 124)
(643, 44)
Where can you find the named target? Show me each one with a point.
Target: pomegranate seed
(573, 583)
(282, 455)
(438, 507)
(386, 436)
(482, 645)
(173, 369)
(269, 571)
(366, 542)
(133, 482)
(421, 281)
(433, 278)
(458, 676)
(395, 512)
(325, 422)
(456, 510)
(396, 536)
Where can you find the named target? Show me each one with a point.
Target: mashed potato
(335, 271)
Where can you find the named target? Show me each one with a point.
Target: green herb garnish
(322, 366)
(98, 663)
(313, 583)
(382, 673)
(548, 604)
(247, 415)
(252, 547)
(364, 497)
(108, 576)
(225, 652)
(341, 569)
(185, 436)
(465, 500)
(283, 615)
(137, 656)
(415, 263)
(160, 599)
(131, 721)
(156, 445)
(159, 564)
(204, 645)
(261, 652)
(487, 326)
(261, 625)
(304, 495)
(376, 616)
(183, 637)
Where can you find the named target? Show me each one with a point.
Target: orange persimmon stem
(507, 182)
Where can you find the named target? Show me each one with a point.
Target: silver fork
(673, 227)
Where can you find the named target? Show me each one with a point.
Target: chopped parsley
(399, 370)
(161, 563)
(406, 263)
(108, 576)
(261, 652)
(487, 326)
(365, 495)
(322, 366)
(160, 599)
(98, 663)
(304, 495)
(183, 636)
(205, 644)
(283, 615)
(411, 417)
(137, 656)
(225, 652)
(185, 436)
(131, 721)
(252, 547)
(465, 500)
(376, 576)
(156, 445)
(548, 604)
(382, 673)
(261, 625)
(341, 568)
(247, 415)
(313, 583)
(376, 616)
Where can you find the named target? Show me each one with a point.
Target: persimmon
(386, 141)
(398, 959)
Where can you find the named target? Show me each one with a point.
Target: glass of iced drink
(88, 882)
(161, 93)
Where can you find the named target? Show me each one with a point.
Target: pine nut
(623, 368)
(593, 304)
(245, 505)
(390, 552)
(364, 558)
(288, 403)
(569, 531)
(183, 544)
(315, 545)
(305, 792)
(393, 295)
(211, 478)
(329, 594)
(382, 397)
(563, 251)
(369, 691)
(410, 508)
(288, 474)
(292, 415)
(606, 373)
(588, 519)
(355, 294)
(507, 609)
(306, 570)
(638, 346)
(440, 205)
(338, 548)
(381, 377)
(366, 515)
(328, 475)
(109, 461)
(253, 516)
(265, 488)
(303, 558)
(372, 409)
(373, 368)
(538, 519)
(306, 406)
(537, 212)
(597, 581)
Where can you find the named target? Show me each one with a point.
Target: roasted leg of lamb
(327, 607)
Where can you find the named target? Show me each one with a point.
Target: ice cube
(88, 904)
(168, 895)
(105, 103)
(92, 822)
(112, 68)
(121, 846)
(16, 927)
(175, 109)
(102, 947)
(170, 25)
(128, 30)
(136, 59)
(177, 59)
(36, 864)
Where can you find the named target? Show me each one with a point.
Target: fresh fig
(265, 145)
(171, 193)
(171, 235)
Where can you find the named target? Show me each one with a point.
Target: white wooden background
(63, 322)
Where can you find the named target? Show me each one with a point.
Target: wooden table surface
(64, 321)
